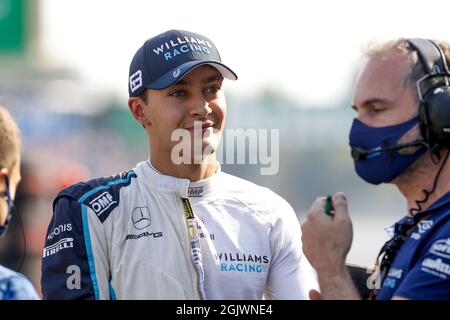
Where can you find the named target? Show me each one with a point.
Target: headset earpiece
(434, 110)
(437, 111)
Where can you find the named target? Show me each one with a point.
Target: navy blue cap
(166, 58)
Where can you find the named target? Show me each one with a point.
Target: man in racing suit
(170, 230)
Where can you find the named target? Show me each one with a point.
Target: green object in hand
(328, 206)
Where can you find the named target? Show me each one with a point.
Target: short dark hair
(144, 96)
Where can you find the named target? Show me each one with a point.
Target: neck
(421, 176)
(192, 172)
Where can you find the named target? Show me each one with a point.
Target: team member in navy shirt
(401, 135)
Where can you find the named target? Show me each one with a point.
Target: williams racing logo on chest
(242, 262)
(141, 222)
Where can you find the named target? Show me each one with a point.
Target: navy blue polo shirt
(421, 269)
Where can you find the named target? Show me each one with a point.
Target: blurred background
(63, 75)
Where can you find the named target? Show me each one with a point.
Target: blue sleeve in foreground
(65, 267)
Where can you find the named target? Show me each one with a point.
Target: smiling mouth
(205, 126)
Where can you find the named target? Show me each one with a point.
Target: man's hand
(314, 295)
(327, 240)
(326, 243)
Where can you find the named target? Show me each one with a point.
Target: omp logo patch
(105, 197)
(102, 203)
(195, 191)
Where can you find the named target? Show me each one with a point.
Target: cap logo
(182, 45)
(164, 59)
(176, 73)
(136, 81)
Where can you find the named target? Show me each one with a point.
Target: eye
(213, 89)
(377, 110)
(178, 93)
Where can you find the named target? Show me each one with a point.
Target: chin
(211, 144)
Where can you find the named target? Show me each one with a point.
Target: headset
(434, 109)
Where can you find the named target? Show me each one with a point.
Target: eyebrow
(370, 101)
(213, 78)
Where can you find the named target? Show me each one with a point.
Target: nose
(199, 107)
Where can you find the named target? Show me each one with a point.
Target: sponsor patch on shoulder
(101, 203)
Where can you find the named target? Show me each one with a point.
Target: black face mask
(5, 195)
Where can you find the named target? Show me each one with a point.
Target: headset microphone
(362, 154)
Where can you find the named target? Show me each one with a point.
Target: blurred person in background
(169, 229)
(401, 135)
(13, 285)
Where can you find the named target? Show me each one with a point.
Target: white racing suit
(129, 237)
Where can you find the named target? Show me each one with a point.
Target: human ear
(137, 108)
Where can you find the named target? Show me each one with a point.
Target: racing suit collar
(181, 187)
(207, 188)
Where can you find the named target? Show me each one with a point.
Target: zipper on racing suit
(195, 249)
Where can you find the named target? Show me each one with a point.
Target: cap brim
(179, 72)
